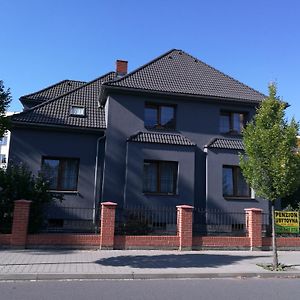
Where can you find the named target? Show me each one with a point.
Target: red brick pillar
(185, 226)
(254, 227)
(20, 223)
(108, 213)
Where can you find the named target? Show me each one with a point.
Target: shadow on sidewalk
(174, 261)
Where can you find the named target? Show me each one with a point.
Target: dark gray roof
(178, 72)
(161, 138)
(57, 111)
(226, 143)
(53, 91)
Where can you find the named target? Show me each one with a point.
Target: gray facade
(200, 172)
(30, 146)
(115, 110)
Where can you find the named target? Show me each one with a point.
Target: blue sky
(43, 42)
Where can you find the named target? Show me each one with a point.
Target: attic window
(77, 111)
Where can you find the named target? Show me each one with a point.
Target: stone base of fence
(184, 240)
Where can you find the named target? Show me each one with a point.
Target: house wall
(29, 145)
(197, 120)
(216, 158)
(133, 189)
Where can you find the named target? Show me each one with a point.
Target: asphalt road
(207, 289)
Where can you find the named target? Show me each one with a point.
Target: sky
(43, 42)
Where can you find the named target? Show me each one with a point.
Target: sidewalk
(140, 264)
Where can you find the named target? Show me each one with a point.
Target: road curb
(140, 276)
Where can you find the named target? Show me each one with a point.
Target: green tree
(17, 182)
(269, 163)
(5, 99)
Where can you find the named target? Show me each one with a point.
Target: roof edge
(105, 88)
(63, 95)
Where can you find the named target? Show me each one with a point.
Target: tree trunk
(274, 247)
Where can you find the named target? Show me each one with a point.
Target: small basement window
(77, 111)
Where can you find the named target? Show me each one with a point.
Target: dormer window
(159, 116)
(77, 111)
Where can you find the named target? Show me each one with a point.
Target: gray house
(165, 134)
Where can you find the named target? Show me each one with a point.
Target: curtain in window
(224, 123)
(151, 117)
(228, 181)
(50, 169)
(242, 186)
(150, 177)
(167, 178)
(167, 117)
(69, 175)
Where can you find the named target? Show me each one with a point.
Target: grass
(270, 267)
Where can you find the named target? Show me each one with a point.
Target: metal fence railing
(266, 224)
(70, 220)
(140, 220)
(215, 222)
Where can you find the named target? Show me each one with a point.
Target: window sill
(238, 198)
(232, 133)
(160, 128)
(63, 192)
(160, 194)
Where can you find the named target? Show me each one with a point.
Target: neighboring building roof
(226, 143)
(161, 138)
(57, 111)
(180, 73)
(53, 91)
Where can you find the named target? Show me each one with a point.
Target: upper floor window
(77, 111)
(234, 183)
(160, 177)
(232, 122)
(62, 173)
(159, 116)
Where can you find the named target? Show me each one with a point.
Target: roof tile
(179, 72)
(161, 138)
(226, 143)
(57, 111)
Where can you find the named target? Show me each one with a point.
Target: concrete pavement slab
(140, 264)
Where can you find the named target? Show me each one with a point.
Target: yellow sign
(287, 221)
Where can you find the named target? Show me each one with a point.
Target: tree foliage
(270, 164)
(5, 99)
(17, 182)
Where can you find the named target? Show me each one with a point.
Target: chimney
(121, 67)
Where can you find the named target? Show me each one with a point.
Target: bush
(17, 182)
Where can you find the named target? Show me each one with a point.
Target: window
(159, 116)
(3, 140)
(232, 122)
(77, 111)
(234, 183)
(62, 173)
(2, 159)
(160, 177)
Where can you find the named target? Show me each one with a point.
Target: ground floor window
(62, 173)
(234, 183)
(160, 177)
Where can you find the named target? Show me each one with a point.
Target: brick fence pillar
(254, 227)
(108, 213)
(20, 223)
(185, 226)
